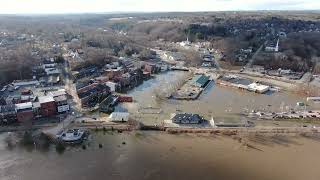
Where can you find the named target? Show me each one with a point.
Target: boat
(72, 136)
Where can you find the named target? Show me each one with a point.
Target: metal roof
(45, 99)
(200, 80)
(60, 92)
(22, 106)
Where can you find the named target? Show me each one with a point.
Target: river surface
(221, 103)
(156, 155)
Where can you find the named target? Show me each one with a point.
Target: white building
(63, 108)
(112, 86)
(52, 71)
(51, 65)
(22, 106)
(119, 116)
(259, 88)
(313, 98)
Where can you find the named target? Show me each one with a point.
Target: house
(85, 86)
(187, 118)
(272, 46)
(48, 64)
(26, 92)
(113, 65)
(62, 103)
(200, 80)
(25, 98)
(47, 106)
(112, 86)
(107, 105)
(113, 73)
(151, 68)
(127, 63)
(208, 58)
(92, 94)
(8, 114)
(119, 117)
(85, 72)
(24, 112)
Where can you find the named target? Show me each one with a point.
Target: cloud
(78, 6)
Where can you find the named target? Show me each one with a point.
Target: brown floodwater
(221, 103)
(156, 155)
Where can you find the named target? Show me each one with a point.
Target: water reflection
(153, 155)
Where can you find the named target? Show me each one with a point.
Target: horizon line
(152, 12)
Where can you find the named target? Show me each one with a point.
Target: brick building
(47, 106)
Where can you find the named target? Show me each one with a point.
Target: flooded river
(221, 103)
(155, 155)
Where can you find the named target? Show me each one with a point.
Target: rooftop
(36, 105)
(59, 92)
(60, 98)
(45, 99)
(200, 80)
(22, 106)
(187, 117)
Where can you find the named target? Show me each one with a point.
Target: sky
(104, 6)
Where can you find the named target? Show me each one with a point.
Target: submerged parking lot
(222, 103)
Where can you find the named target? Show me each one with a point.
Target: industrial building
(242, 83)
